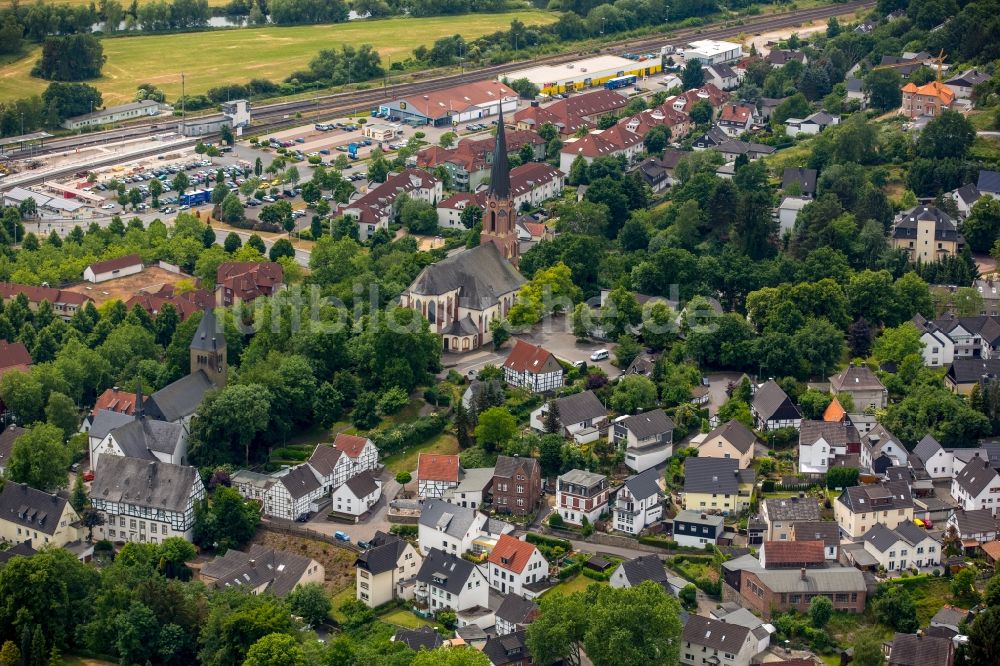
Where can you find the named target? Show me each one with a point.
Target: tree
(403, 478)
(632, 627)
(701, 112)
(882, 86)
(525, 88)
(463, 425)
(257, 243)
(982, 227)
(451, 656)
(226, 521)
(868, 651)
(74, 57)
(496, 427)
(551, 421)
(228, 423)
(447, 139)
(558, 631)
(693, 75)
(656, 139)
(894, 607)
(40, 458)
(471, 216)
(10, 655)
(61, 412)
(79, 497)
(582, 318)
(632, 394)
(311, 603)
(173, 554)
(984, 638)
(963, 587)
(281, 248)
(841, 477)
(820, 611)
(949, 135)
(365, 415)
(231, 209)
(232, 242)
(275, 650)
(180, 182)
(895, 344)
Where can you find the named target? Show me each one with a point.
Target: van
(341, 536)
(600, 355)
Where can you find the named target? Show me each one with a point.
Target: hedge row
(402, 436)
(599, 575)
(552, 542)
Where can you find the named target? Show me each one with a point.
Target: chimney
(802, 494)
(802, 573)
(704, 516)
(253, 564)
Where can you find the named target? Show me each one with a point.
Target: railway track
(278, 115)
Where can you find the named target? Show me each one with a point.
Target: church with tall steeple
(463, 294)
(500, 214)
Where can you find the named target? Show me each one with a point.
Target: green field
(235, 56)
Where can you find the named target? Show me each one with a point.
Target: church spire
(500, 173)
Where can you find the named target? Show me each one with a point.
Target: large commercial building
(580, 74)
(713, 52)
(114, 114)
(470, 101)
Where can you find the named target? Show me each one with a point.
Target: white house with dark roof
(989, 183)
(801, 179)
(143, 438)
(637, 571)
(330, 466)
(531, 367)
(383, 570)
(939, 463)
(360, 452)
(708, 642)
(287, 494)
(638, 503)
(515, 613)
(695, 529)
(977, 486)
(963, 84)
(455, 529)
(937, 347)
(903, 547)
(647, 438)
(812, 124)
(964, 197)
(788, 213)
(357, 496)
(822, 442)
(772, 408)
(145, 501)
(722, 76)
(581, 416)
(980, 525)
(446, 581)
(880, 449)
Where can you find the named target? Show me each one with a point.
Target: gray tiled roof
(300, 481)
(27, 507)
(989, 181)
(481, 274)
(580, 407)
(829, 579)
(976, 476)
(699, 518)
(582, 477)
(181, 398)
(711, 475)
(836, 433)
(453, 569)
(805, 178)
(643, 484)
(643, 568)
(969, 370)
(280, 570)
(978, 520)
(157, 485)
(509, 649)
(715, 634)
(516, 609)
(382, 555)
(324, 459)
(649, 424)
(107, 420)
(856, 378)
(881, 537)
(209, 336)
(422, 638)
(927, 447)
(914, 650)
(736, 434)
(362, 485)
(453, 519)
(21, 549)
(792, 508)
(507, 465)
(814, 530)
(139, 438)
(891, 494)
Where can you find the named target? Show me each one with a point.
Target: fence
(296, 530)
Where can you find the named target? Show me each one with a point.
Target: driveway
(718, 382)
(365, 530)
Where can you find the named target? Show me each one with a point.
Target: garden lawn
(405, 619)
(406, 461)
(214, 57)
(577, 583)
(349, 593)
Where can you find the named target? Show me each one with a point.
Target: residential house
(937, 461)
(772, 408)
(262, 570)
(242, 282)
(716, 485)
(858, 508)
(378, 207)
(989, 290)
(920, 650)
(436, 474)
(658, 172)
(733, 149)
(514, 614)
(713, 138)
(722, 76)
(862, 385)
(581, 495)
(531, 367)
(449, 527)
(812, 124)
(7, 439)
(903, 547)
(469, 164)
(330, 466)
(421, 638)
(938, 348)
(145, 501)
(361, 453)
(616, 140)
(581, 416)
(517, 485)
(571, 114)
(736, 119)
(780, 57)
(513, 565)
(14, 356)
(767, 105)
(880, 450)
(664, 115)
(856, 91)
(509, 650)
(972, 337)
(288, 494)
(731, 613)
(977, 527)
(780, 515)
(472, 489)
(20, 549)
(927, 234)
(825, 531)
(799, 181)
(965, 373)
(769, 591)
(638, 502)
(964, 198)
(357, 496)
(788, 213)
(153, 304)
(446, 581)
(730, 440)
(964, 84)
(708, 642)
(638, 570)
(792, 554)
(695, 529)
(45, 518)
(950, 618)
(534, 183)
(977, 486)
(449, 210)
(102, 271)
(930, 99)
(988, 183)
(64, 303)
(382, 569)
(647, 438)
(142, 438)
(822, 443)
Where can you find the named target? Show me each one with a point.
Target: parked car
(600, 355)
(88, 476)
(341, 536)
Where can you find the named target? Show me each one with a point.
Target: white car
(108, 206)
(600, 355)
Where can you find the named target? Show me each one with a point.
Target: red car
(88, 476)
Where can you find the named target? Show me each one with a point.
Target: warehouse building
(464, 103)
(713, 52)
(114, 114)
(580, 74)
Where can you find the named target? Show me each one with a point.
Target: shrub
(552, 542)
(402, 436)
(598, 575)
(392, 401)
(404, 530)
(556, 520)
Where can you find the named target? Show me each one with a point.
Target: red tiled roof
(153, 304)
(736, 113)
(115, 264)
(115, 400)
(438, 103)
(536, 229)
(460, 200)
(933, 89)
(526, 356)
(569, 115)
(528, 176)
(834, 411)
(14, 355)
(793, 552)
(35, 294)
(511, 553)
(471, 154)
(377, 203)
(351, 445)
(249, 279)
(434, 467)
